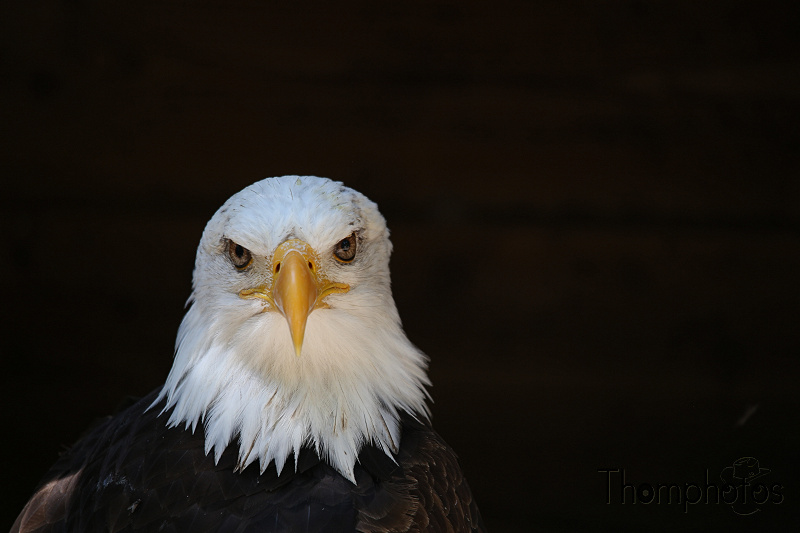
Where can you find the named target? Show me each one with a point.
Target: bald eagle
(295, 402)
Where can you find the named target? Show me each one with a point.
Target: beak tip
(298, 334)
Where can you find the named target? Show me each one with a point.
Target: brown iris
(345, 250)
(240, 256)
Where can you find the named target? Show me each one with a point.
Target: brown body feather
(132, 473)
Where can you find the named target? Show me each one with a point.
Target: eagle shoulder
(429, 480)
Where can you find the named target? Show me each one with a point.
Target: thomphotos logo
(744, 486)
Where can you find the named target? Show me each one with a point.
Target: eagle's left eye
(345, 250)
(240, 256)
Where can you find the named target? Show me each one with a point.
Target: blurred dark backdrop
(595, 208)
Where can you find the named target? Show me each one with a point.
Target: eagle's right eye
(239, 255)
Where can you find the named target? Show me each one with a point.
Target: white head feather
(235, 366)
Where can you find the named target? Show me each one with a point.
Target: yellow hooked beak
(297, 288)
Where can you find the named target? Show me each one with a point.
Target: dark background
(595, 208)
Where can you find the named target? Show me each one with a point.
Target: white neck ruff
(240, 377)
